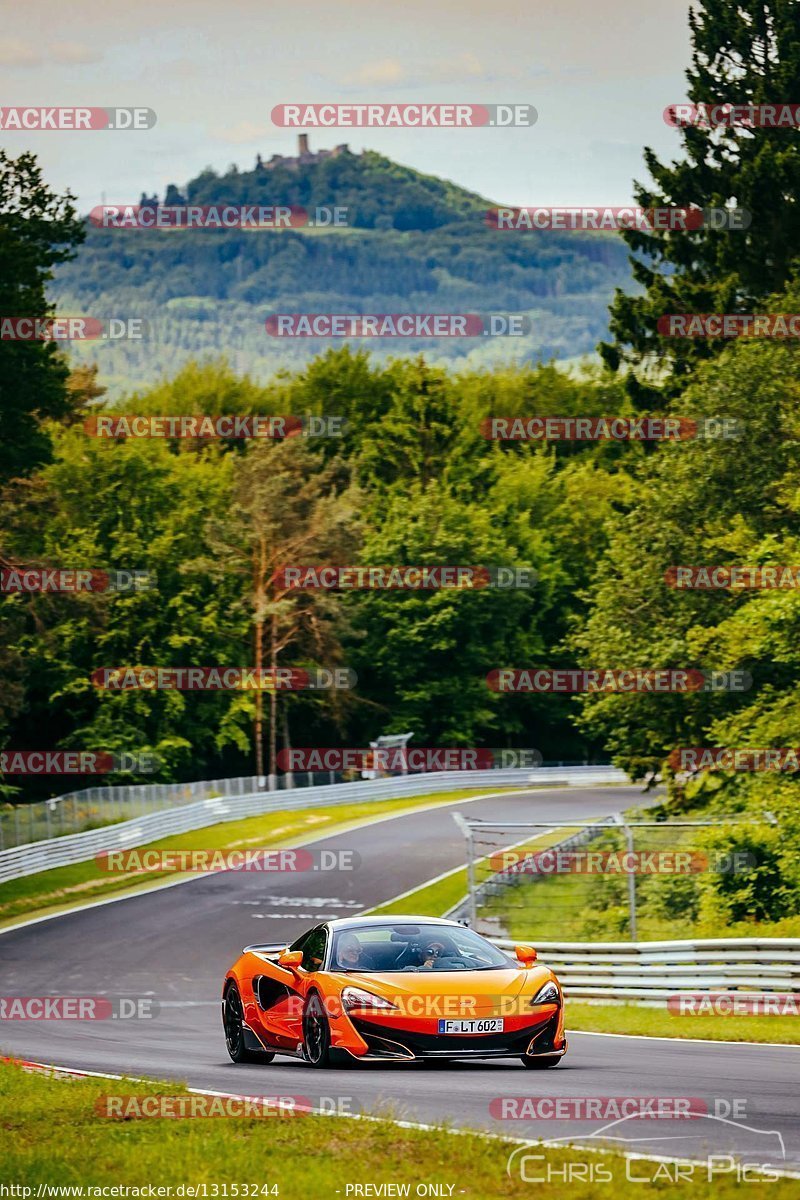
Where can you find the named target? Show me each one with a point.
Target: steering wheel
(404, 953)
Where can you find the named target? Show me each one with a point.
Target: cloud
(16, 53)
(243, 133)
(73, 54)
(385, 70)
(389, 72)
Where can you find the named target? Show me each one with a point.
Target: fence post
(620, 820)
(466, 829)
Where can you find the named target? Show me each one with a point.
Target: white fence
(92, 807)
(79, 847)
(653, 971)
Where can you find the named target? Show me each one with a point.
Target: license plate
(489, 1025)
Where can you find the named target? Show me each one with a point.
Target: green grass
(61, 887)
(55, 1137)
(432, 899)
(658, 1022)
(435, 899)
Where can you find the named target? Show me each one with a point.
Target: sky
(599, 73)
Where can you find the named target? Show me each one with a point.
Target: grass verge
(55, 1137)
(67, 887)
(438, 897)
(658, 1022)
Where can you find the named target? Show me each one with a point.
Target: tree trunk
(285, 737)
(273, 698)
(258, 730)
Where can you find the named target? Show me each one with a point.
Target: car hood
(502, 982)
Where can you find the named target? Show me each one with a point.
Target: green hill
(413, 243)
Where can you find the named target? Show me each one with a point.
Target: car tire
(316, 1032)
(233, 1025)
(540, 1062)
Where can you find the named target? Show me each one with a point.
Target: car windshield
(411, 947)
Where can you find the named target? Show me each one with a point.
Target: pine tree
(744, 52)
(38, 230)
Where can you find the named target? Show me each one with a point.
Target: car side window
(314, 949)
(301, 941)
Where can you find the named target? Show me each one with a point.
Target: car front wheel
(316, 1032)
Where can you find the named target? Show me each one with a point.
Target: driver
(350, 954)
(432, 952)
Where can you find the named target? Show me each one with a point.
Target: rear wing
(265, 948)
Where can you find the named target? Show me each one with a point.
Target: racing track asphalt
(174, 945)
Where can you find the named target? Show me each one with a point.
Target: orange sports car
(391, 988)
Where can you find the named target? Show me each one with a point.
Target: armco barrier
(655, 970)
(79, 847)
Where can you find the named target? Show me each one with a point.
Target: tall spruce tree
(38, 230)
(745, 52)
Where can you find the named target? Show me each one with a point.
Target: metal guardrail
(79, 847)
(93, 807)
(657, 970)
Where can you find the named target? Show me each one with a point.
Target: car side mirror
(526, 955)
(290, 959)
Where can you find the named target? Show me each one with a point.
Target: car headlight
(355, 997)
(549, 994)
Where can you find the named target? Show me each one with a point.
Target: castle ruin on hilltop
(304, 156)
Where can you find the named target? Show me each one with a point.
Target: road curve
(174, 945)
